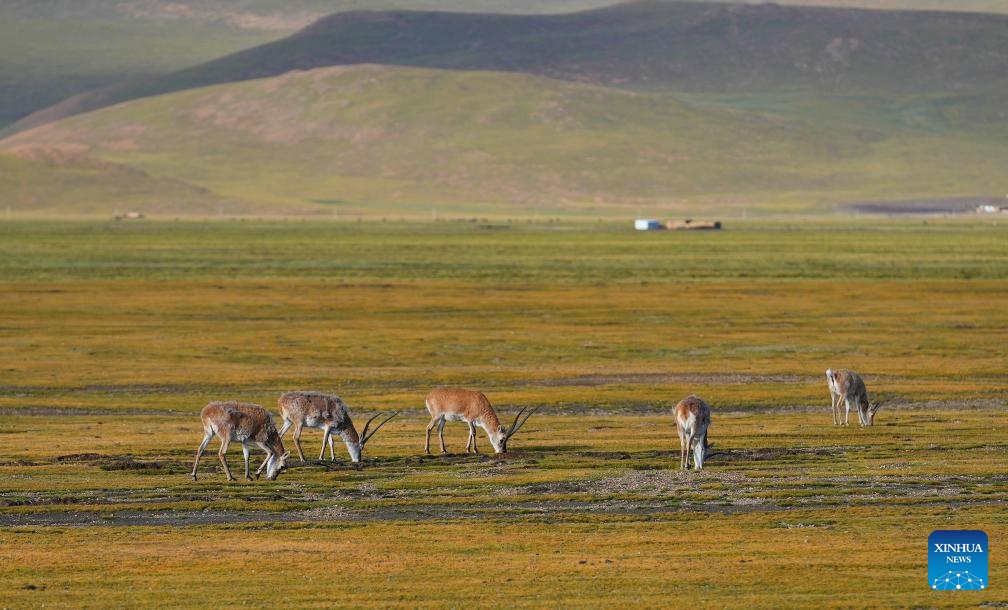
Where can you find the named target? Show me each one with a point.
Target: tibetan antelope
(473, 408)
(692, 416)
(247, 423)
(328, 412)
(847, 386)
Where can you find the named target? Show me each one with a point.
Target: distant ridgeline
(709, 47)
(686, 109)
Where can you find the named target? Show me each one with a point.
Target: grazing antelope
(473, 408)
(692, 417)
(245, 422)
(328, 412)
(847, 386)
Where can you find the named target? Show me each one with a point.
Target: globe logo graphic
(968, 549)
(960, 580)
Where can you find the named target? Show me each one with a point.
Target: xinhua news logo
(957, 560)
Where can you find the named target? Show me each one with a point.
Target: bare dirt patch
(120, 462)
(633, 494)
(921, 207)
(667, 379)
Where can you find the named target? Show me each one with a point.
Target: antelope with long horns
(473, 408)
(847, 386)
(692, 416)
(328, 412)
(246, 423)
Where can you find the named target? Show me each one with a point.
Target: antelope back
(469, 404)
(239, 420)
(692, 410)
(301, 406)
(849, 384)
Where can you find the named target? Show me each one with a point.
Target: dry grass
(136, 344)
(113, 339)
(523, 565)
(589, 513)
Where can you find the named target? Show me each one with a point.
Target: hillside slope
(661, 46)
(371, 140)
(56, 49)
(648, 45)
(50, 51)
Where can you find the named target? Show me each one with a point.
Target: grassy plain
(374, 141)
(115, 334)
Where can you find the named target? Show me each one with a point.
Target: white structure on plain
(958, 580)
(646, 224)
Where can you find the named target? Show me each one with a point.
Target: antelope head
(702, 451)
(500, 438)
(357, 448)
(872, 408)
(276, 465)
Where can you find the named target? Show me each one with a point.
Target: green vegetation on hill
(670, 106)
(45, 60)
(966, 6)
(648, 45)
(373, 140)
(90, 187)
(53, 50)
(660, 46)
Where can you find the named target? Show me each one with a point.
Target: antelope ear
(286, 455)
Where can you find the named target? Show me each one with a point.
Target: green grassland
(115, 334)
(579, 513)
(377, 141)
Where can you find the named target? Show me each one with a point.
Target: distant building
(694, 225)
(648, 225)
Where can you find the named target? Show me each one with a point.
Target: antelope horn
(365, 436)
(517, 425)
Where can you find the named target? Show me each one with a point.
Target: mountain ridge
(705, 47)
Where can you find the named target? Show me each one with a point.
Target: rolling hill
(375, 140)
(648, 45)
(56, 49)
(673, 106)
